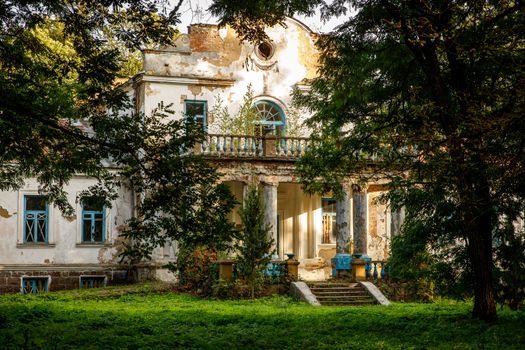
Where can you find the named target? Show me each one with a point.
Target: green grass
(145, 317)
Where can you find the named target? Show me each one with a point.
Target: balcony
(246, 146)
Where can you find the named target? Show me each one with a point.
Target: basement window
(92, 281)
(33, 285)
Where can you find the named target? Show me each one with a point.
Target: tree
(434, 91)
(58, 64)
(180, 197)
(253, 241)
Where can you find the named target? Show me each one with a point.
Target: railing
(376, 270)
(222, 145)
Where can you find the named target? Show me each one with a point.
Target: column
(270, 209)
(342, 220)
(360, 214)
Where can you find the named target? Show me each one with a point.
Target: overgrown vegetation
(253, 242)
(433, 92)
(146, 317)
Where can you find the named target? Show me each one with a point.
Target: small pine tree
(254, 244)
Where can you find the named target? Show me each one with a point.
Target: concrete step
(332, 285)
(342, 298)
(349, 303)
(341, 293)
(337, 290)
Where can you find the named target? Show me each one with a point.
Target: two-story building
(210, 75)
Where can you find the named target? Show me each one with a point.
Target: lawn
(145, 317)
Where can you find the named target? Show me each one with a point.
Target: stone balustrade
(224, 145)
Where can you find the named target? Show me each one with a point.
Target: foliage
(181, 199)
(148, 317)
(197, 269)
(510, 265)
(434, 90)
(58, 64)
(242, 122)
(253, 241)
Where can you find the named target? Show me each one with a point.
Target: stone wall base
(60, 278)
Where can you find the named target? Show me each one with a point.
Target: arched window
(270, 118)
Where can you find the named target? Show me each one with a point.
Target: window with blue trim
(92, 281)
(33, 285)
(93, 220)
(270, 118)
(36, 219)
(328, 210)
(196, 110)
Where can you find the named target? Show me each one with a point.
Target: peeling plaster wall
(204, 65)
(378, 239)
(64, 232)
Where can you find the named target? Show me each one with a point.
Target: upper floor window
(36, 219)
(328, 208)
(93, 220)
(270, 119)
(196, 110)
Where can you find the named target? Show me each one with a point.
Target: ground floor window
(92, 281)
(328, 208)
(36, 219)
(32, 285)
(93, 220)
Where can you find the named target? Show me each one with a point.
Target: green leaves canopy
(58, 65)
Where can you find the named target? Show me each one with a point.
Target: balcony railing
(222, 145)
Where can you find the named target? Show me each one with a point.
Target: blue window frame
(92, 281)
(93, 220)
(33, 285)
(196, 110)
(36, 219)
(328, 213)
(271, 118)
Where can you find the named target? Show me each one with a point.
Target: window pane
(36, 203)
(328, 206)
(30, 222)
(98, 228)
(41, 227)
(86, 231)
(195, 108)
(93, 203)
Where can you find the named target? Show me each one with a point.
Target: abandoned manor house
(208, 73)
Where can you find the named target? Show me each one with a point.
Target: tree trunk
(478, 230)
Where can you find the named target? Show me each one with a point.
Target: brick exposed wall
(10, 281)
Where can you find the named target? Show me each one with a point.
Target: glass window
(34, 285)
(92, 281)
(35, 219)
(196, 110)
(270, 118)
(93, 220)
(328, 209)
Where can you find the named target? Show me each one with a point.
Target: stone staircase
(341, 293)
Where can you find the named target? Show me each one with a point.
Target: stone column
(343, 220)
(396, 220)
(360, 215)
(270, 209)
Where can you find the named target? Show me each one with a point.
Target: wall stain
(4, 213)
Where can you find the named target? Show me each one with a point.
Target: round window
(264, 50)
